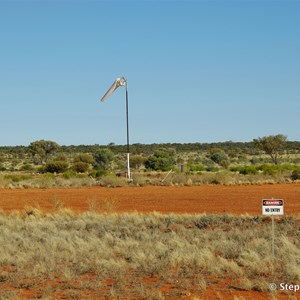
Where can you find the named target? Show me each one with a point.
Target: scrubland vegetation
(141, 256)
(46, 164)
(100, 254)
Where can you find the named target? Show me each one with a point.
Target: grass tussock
(146, 256)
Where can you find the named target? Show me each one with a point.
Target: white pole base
(128, 168)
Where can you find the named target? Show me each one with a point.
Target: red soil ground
(165, 199)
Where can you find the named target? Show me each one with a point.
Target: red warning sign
(272, 207)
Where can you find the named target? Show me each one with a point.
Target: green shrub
(80, 167)
(2, 168)
(286, 167)
(273, 169)
(84, 157)
(212, 169)
(16, 178)
(69, 174)
(244, 170)
(42, 169)
(60, 157)
(235, 169)
(219, 157)
(248, 170)
(268, 169)
(136, 161)
(161, 160)
(56, 167)
(196, 168)
(103, 158)
(296, 174)
(98, 173)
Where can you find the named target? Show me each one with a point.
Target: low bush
(56, 167)
(80, 167)
(287, 167)
(196, 168)
(136, 161)
(219, 157)
(244, 170)
(161, 160)
(103, 158)
(267, 169)
(212, 169)
(296, 174)
(113, 181)
(16, 178)
(271, 169)
(98, 173)
(69, 174)
(84, 157)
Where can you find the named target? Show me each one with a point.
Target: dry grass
(137, 255)
(223, 177)
(43, 181)
(106, 205)
(113, 181)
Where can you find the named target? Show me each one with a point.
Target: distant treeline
(241, 147)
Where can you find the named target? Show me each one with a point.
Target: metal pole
(273, 238)
(273, 245)
(127, 126)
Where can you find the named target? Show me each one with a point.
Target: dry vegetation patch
(143, 256)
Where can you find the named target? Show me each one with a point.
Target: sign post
(273, 207)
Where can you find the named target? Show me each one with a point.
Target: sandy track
(196, 199)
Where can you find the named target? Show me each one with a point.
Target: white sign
(272, 207)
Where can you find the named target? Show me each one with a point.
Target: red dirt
(216, 289)
(165, 199)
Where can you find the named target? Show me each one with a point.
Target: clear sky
(197, 71)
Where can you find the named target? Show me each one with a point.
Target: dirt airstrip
(185, 199)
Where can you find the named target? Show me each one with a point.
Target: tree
(103, 158)
(60, 157)
(80, 167)
(136, 161)
(272, 145)
(296, 174)
(162, 159)
(82, 162)
(218, 156)
(84, 157)
(43, 150)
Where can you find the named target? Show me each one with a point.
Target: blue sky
(197, 71)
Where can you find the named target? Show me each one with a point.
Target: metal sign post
(271, 207)
(273, 238)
